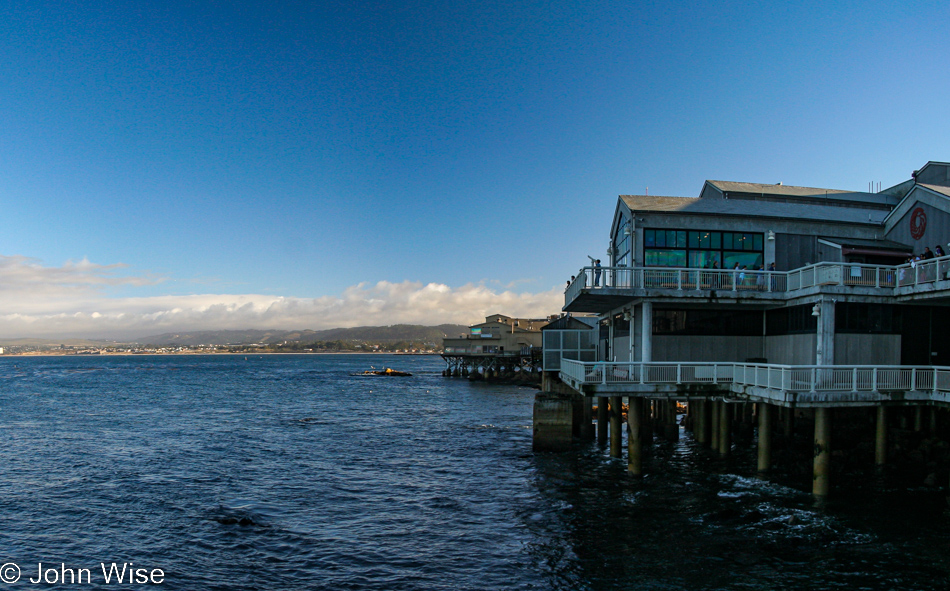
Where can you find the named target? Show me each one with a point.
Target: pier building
(502, 347)
(766, 302)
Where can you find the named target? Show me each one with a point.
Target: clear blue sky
(295, 150)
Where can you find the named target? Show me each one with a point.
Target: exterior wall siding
(937, 230)
(791, 349)
(867, 349)
(792, 251)
(706, 348)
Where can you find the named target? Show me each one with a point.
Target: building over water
(501, 346)
(749, 292)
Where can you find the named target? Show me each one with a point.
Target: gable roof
(937, 189)
(746, 208)
(769, 189)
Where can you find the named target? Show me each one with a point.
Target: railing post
(715, 373)
(854, 380)
(603, 373)
(874, 380)
(679, 373)
(913, 378)
(679, 281)
(841, 270)
(643, 373)
(814, 379)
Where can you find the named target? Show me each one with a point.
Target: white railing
(882, 277)
(603, 372)
(843, 378)
(675, 279)
(799, 378)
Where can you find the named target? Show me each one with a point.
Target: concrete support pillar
(646, 333)
(602, 420)
(932, 414)
(918, 418)
(700, 427)
(552, 422)
(880, 437)
(635, 433)
(725, 425)
(825, 346)
(821, 478)
(714, 425)
(616, 435)
(765, 437)
(587, 430)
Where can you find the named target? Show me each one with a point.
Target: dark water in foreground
(287, 473)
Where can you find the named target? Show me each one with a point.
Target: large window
(705, 249)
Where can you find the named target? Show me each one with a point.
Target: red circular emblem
(918, 223)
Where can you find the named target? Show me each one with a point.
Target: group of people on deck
(926, 272)
(937, 252)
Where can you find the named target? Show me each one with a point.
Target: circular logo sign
(918, 223)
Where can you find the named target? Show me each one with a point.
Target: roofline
(888, 226)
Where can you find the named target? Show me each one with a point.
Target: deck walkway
(783, 385)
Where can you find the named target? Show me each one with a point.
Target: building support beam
(635, 436)
(700, 422)
(616, 435)
(725, 425)
(821, 478)
(714, 425)
(825, 346)
(880, 438)
(601, 420)
(764, 437)
(646, 333)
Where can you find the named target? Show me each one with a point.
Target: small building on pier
(774, 295)
(501, 347)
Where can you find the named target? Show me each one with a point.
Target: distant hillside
(378, 334)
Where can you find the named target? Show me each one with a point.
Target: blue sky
(174, 166)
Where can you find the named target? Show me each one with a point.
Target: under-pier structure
(716, 394)
(524, 365)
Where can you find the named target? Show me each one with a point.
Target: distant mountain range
(376, 334)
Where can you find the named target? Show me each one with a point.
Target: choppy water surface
(285, 472)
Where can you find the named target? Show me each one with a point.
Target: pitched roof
(748, 208)
(769, 189)
(937, 189)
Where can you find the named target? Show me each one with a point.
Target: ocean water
(286, 472)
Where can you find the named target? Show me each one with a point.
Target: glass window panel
(704, 259)
(748, 243)
(649, 238)
(703, 240)
(671, 238)
(665, 258)
(694, 238)
(681, 239)
(751, 260)
(660, 238)
(758, 242)
(715, 239)
(727, 240)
